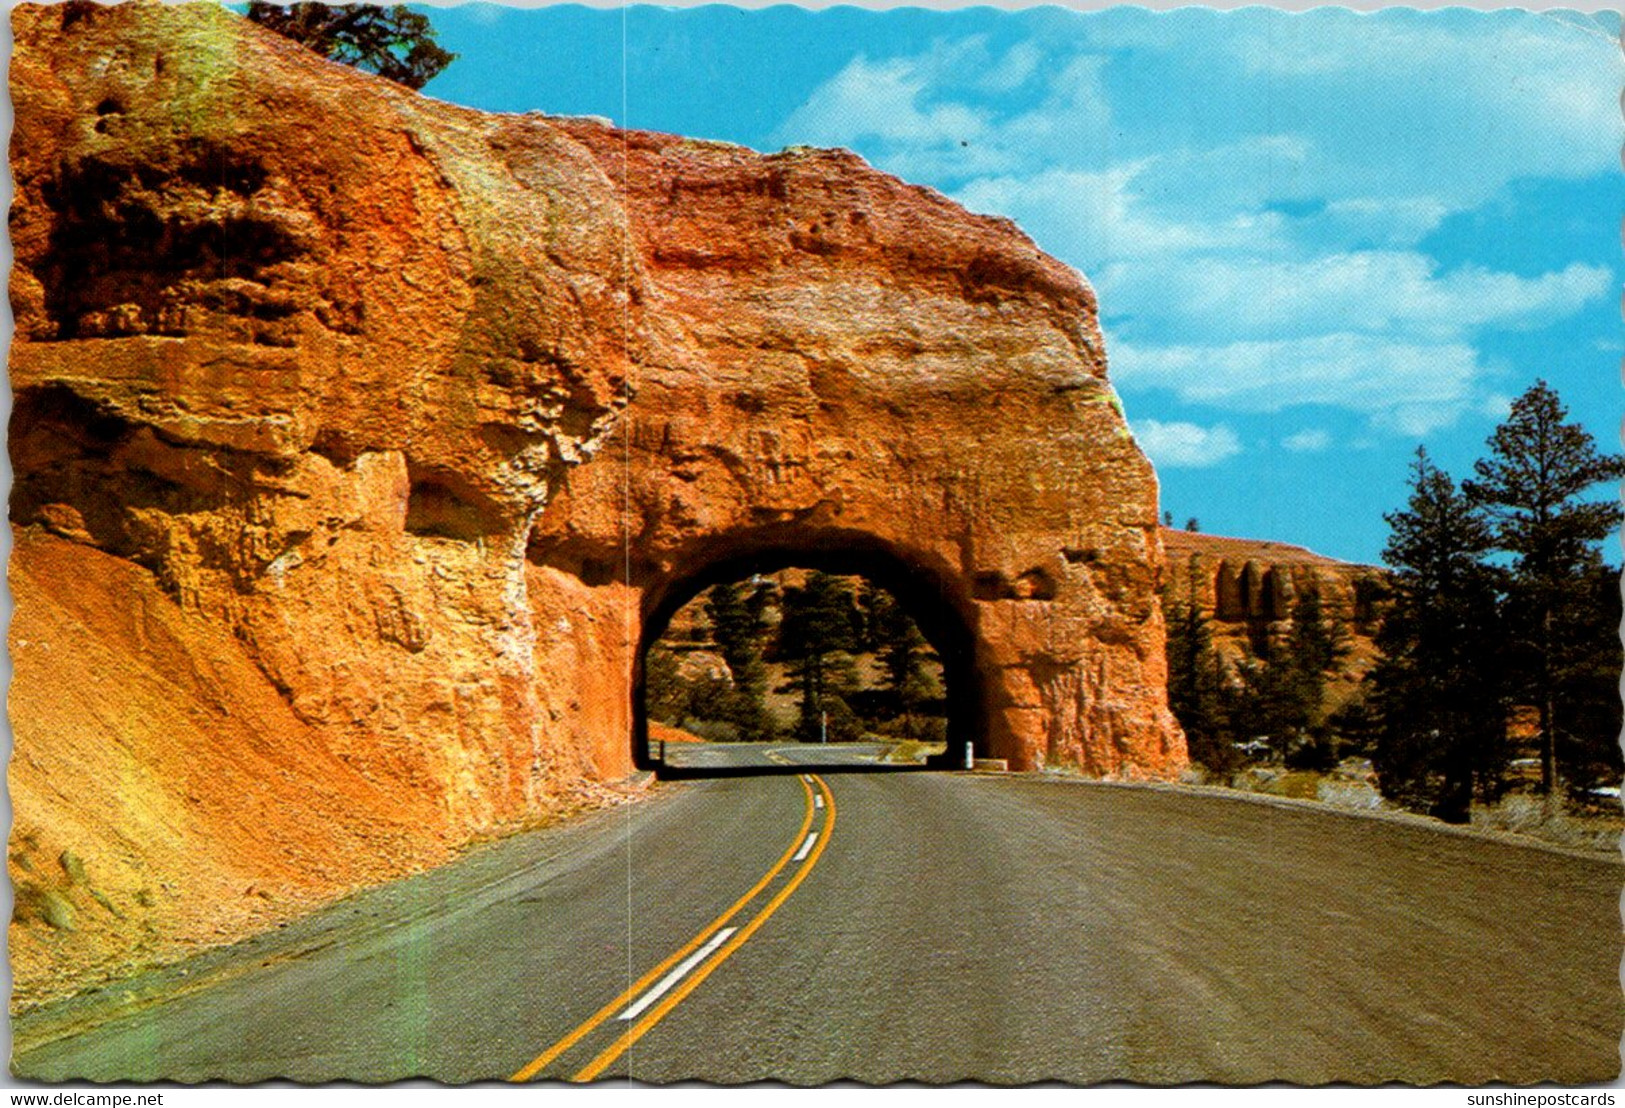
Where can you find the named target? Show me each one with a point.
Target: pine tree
(739, 630)
(819, 628)
(395, 43)
(902, 651)
(1196, 687)
(1436, 694)
(1314, 647)
(1273, 697)
(1317, 644)
(1586, 720)
(1532, 487)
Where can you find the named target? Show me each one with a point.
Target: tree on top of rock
(395, 43)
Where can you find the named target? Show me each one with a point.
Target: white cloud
(1437, 109)
(1387, 333)
(1240, 175)
(1377, 291)
(881, 100)
(1383, 220)
(1013, 70)
(1187, 445)
(1455, 104)
(926, 116)
(1309, 441)
(1094, 218)
(1409, 387)
(1069, 124)
(1251, 214)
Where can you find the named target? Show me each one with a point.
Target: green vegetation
(1200, 694)
(1530, 489)
(1272, 703)
(395, 43)
(1284, 696)
(1499, 599)
(818, 633)
(739, 628)
(904, 655)
(815, 656)
(1438, 691)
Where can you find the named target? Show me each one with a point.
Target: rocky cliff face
(1248, 589)
(840, 364)
(400, 421)
(300, 354)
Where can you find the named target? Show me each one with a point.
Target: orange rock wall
(305, 352)
(1248, 589)
(425, 413)
(150, 747)
(835, 357)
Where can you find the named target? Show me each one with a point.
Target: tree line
(1500, 599)
(808, 641)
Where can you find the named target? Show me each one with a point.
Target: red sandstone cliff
(357, 436)
(298, 354)
(841, 361)
(1248, 589)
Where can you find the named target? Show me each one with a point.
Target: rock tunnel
(1005, 543)
(854, 371)
(500, 390)
(369, 521)
(938, 603)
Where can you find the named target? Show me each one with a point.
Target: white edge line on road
(818, 801)
(677, 974)
(806, 847)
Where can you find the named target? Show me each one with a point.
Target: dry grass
(1352, 786)
(1547, 819)
(1339, 792)
(912, 752)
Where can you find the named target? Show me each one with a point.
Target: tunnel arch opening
(942, 612)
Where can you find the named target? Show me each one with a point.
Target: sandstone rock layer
(1248, 590)
(419, 417)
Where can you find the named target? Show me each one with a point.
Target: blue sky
(1319, 239)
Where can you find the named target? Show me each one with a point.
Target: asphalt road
(711, 756)
(913, 926)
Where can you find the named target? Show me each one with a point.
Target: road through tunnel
(923, 404)
(830, 650)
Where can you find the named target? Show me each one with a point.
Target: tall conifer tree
(1436, 692)
(1532, 487)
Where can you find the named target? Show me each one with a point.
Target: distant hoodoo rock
(1249, 590)
(395, 427)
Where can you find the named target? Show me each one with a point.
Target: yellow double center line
(709, 966)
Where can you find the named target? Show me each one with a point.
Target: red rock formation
(430, 412)
(839, 362)
(151, 749)
(1248, 588)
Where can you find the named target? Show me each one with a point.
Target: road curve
(949, 927)
(701, 756)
